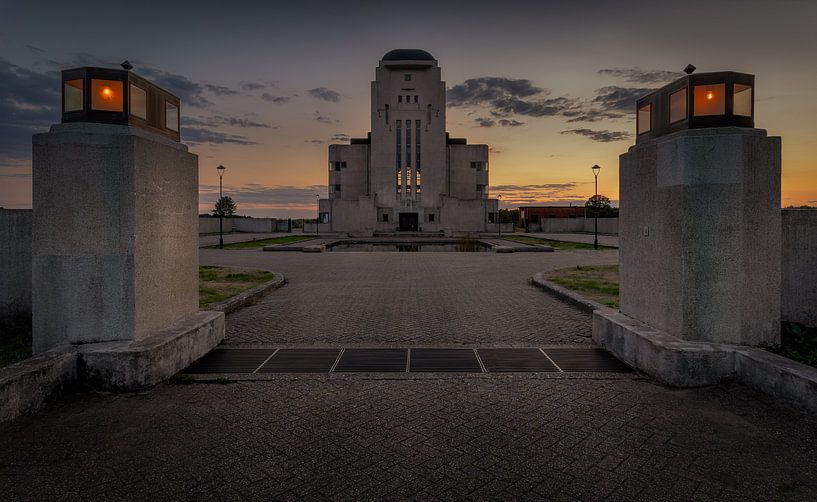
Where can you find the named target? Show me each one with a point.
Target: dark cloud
(29, 103)
(200, 135)
(339, 137)
(35, 50)
(484, 122)
(617, 99)
(315, 141)
(510, 123)
(600, 136)
(506, 97)
(324, 119)
(220, 90)
(278, 100)
(256, 86)
(324, 94)
(219, 120)
(639, 76)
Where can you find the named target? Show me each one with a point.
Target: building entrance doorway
(408, 222)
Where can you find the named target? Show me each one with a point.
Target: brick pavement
(370, 437)
(443, 299)
(452, 438)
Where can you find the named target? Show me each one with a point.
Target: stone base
(124, 366)
(680, 363)
(27, 386)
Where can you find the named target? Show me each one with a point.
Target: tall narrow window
(171, 116)
(398, 147)
(408, 143)
(408, 156)
(417, 165)
(644, 119)
(407, 76)
(742, 100)
(138, 102)
(73, 96)
(416, 98)
(678, 106)
(400, 98)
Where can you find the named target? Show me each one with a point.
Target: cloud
(315, 141)
(278, 100)
(324, 94)
(324, 119)
(257, 86)
(35, 50)
(29, 103)
(510, 123)
(600, 136)
(550, 193)
(219, 120)
(484, 122)
(339, 137)
(219, 90)
(200, 135)
(505, 97)
(639, 76)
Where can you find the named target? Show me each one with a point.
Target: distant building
(534, 214)
(408, 174)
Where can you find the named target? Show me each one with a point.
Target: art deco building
(408, 174)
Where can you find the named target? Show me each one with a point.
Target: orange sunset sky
(550, 86)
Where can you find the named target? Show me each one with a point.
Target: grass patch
(286, 239)
(597, 283)
(797, 342)
(216, 284)
(15, 340)
(527, 239)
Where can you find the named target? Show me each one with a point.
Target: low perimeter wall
(15, 262)
(799, 296)
(571, 225)
(209, 225)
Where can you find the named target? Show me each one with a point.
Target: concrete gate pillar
(701, 235)
(115, 234)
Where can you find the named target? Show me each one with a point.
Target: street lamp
(596, 170)
(220, 170)
(498, 209)
(318, 219)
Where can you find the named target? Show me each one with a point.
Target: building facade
(408, 174)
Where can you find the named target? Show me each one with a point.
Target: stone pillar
(115, 234)
(701, 235)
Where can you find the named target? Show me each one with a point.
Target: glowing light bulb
(107, 93)
(710, 95)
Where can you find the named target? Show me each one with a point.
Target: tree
(225, 206)
(599, 205)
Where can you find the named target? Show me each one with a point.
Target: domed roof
(408, 55)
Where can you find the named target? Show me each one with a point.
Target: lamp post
(596, 170)
(318, 219)
(220, 170)
(498, 210)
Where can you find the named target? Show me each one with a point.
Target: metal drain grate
(511, 360)
(230, 361)
(445, 360)
(301, 361)
(375, 360)
(586, 360)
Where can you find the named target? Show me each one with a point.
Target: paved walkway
(398, 299)
(553, 436)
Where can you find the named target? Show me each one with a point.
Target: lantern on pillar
(110, 96)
